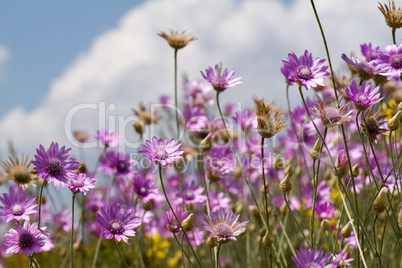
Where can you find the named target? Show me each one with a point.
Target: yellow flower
(158, 249)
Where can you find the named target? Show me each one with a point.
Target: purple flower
(143, 188)
(341, 163)
(219, 200)
(63, 220)
(27, 238)
(108, 138)
(117, 162)
(223, 226)
(55, 165)
(246, 120)
(16, 205)
(365, 70)
(116, 224)
(219, 81)
(369, 52)
(361, 96)
(390, 62)
(330, 112)
(192, 194)
(219, 163)
(171, 222)
(305, 71)
(340, 260)
(195, 118)
(166, 100)
(162, 151)
(196, 237)
(82, 183)
(311, 258)
(198, 93)
(325, 211)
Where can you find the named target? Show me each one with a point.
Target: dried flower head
(393, 16)
(176, 39)
(330, 113)
(268, 126)
(18, 171)
(374, 122)
(146, 116)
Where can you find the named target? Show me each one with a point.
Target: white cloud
(131, 63)
(4, 55)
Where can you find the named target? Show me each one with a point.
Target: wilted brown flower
(393, 16)
(373, 128)
(18, 171)
(147, 116)
(329, 111)
(268, 126)
(81, 136)
(177, 40)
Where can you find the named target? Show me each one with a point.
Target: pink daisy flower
(16, 204)
(162, 151)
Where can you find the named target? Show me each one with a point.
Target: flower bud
(400, 218)
(394, 123)
(286, 184)
(267, 240)
(206, 143)
(211, 242)
(347, 230)
(315, 152)
(380, 202)
(326, 225)
(188, 223)
(355, 170)
(289, 170)
(139, 127)
(279, 162)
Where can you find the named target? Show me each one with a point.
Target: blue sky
(44, 37)
(62, 53)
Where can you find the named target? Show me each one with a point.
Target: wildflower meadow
(211, 185)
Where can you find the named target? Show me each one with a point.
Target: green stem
(217, 256)
(342, 188)
(201, 163)
(175, 93)
(121, 257)
(393, 35)
(315, 183)
(295, 220)
(72, 234)
(177, 219)
(40, 202)
(183, 252)
(238, 161)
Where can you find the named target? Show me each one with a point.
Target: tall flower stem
(266, 190)
(393, 35)
(177, 219)
(184, 252)
(342, 188)
(200, 156)
(295, 220)
(315, 183)
(238, 161)
(374, 233)
(175, 92)
(393, 164)
(40, 202)
(217, 256)
(121, 257)
(72, 233)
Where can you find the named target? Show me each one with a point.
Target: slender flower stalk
(121, 257)
(342, 188)
(72, 233)
(175, 216)
(295, 220)
(315, 183)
